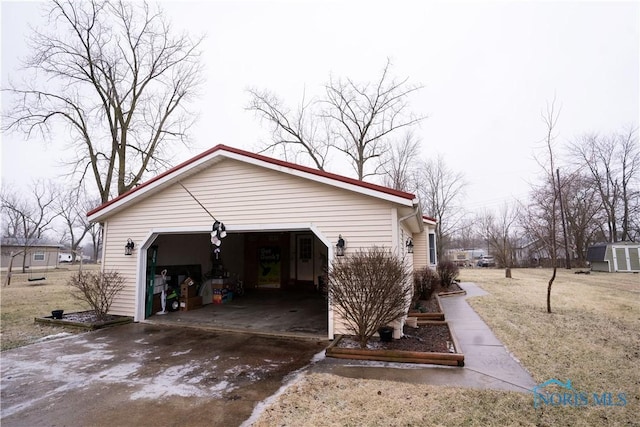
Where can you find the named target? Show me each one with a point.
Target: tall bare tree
(613, 163)
(500, 234)
(401, 163)
(582, 210)
(72, 206)
(27, 217)
(356, 121)
(111, 74)
(440, 190)
(545, 198)
(294, 134)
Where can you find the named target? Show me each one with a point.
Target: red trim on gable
(429, 218)
(263, 158)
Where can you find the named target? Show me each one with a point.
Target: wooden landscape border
(429, 316)
(401, 356)
(89, 326)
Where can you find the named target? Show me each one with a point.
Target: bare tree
(297, 133)
(114, 77)
(355, 120)
(440, 190)
(72, 206)
(96, 240)
(498, 231)
(582, 210)
(401, 162)
(545, 198)
(27, 217)
(613, 163)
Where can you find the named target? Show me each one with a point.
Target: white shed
(615, 257)
(282, 220)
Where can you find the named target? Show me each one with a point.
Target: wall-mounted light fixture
(340, 246)
(128, 248)
(409, 245)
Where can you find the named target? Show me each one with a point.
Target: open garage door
(264, 282)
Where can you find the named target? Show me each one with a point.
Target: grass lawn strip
(22, 301)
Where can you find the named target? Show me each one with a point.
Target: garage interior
(261, 282)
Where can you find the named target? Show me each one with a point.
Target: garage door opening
(263, 282)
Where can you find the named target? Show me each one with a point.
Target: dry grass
(22, 301)
(592, 338)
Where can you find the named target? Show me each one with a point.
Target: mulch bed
(84, 320)
(427, 338)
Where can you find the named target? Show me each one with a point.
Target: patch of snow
(54, 336)
(173, 382)
(119, 372)
(181, 353)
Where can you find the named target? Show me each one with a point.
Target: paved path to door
(488, 364)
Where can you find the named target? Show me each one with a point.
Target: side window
(432, 248)
(38, 256)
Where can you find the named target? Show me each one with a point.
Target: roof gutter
(417, 214)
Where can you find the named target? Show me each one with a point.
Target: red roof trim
(429, 218)
(263, 158)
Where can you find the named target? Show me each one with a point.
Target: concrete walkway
(488, 364)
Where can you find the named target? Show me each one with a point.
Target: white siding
(240, 195)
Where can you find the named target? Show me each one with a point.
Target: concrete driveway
(141, 374)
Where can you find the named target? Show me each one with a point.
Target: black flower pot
(57, 314)
(386, 333)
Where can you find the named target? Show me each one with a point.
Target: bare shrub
(424, 282)
(98, 289)
(448, 272)
(369, 289)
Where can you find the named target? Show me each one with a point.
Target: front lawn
(592, 338)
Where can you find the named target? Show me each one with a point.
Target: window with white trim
(38, 256)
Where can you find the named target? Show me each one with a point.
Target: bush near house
(98, 289)
(369, 289)
(425, 280)
(448, 272)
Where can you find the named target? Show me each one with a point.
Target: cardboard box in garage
(187, 304)
(188, 289)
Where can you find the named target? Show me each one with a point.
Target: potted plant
(386, 333)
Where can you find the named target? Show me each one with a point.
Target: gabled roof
(429, 220)
(221, 152)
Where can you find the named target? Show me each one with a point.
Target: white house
(282, 220)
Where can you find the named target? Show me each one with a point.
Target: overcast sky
(488, 70)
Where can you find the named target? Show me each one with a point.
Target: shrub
(368, 290)
(98, 289)
(448, 272)
(424, 281)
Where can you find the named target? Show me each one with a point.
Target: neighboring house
(283, 222)
(39, 255)
(614, 257)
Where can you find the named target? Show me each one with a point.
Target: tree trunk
(553, 277)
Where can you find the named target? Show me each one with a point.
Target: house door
(304, 259)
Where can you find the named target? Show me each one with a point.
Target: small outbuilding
(281, 225)
(614, 257)
(34, 254)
